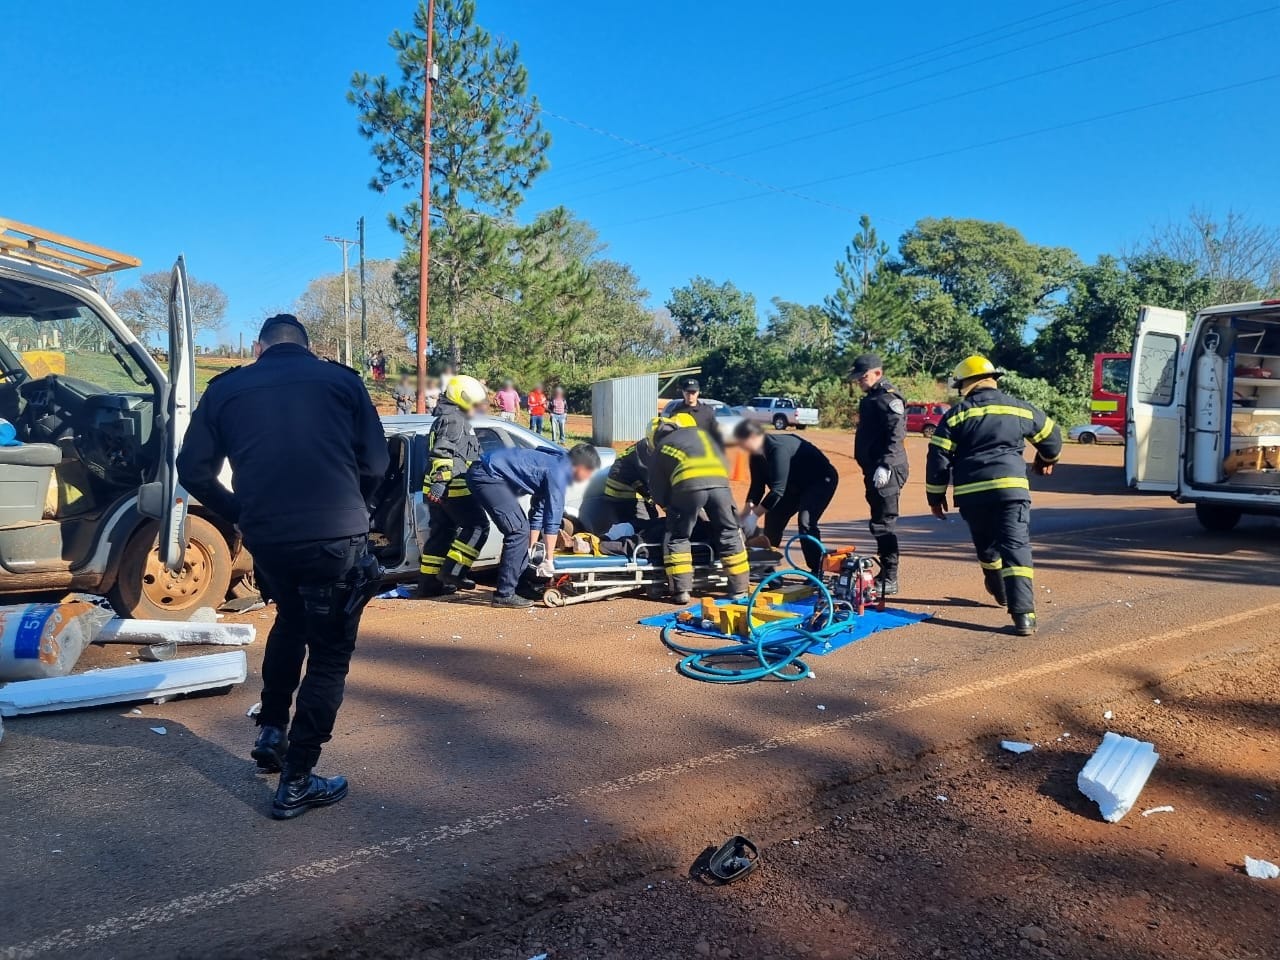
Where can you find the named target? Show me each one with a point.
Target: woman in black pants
(800, 479)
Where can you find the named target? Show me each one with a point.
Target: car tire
(779, 422)
(927, 430)
(1087, 438)
(1217, 519)
(146, 591)
(801, 426)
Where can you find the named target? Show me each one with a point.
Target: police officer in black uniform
(879, 447)
(978, 450)
(703, 414)
(308, 451)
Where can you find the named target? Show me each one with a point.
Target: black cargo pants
(807, 504)
(1001, 531)
(724, 534)
(884, 517)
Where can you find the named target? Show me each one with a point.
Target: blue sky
(222, 131)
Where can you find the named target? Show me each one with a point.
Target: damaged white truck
(1203, 419)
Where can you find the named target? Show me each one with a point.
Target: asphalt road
(489, 750)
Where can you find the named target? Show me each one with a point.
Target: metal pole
(364, 313)
(346, 293)
(424, 264)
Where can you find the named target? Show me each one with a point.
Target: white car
(402, 513)
(1095, 433)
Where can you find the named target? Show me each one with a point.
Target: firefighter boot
(429, 586)
(995, 586)
(300, 790)
(1024, 624)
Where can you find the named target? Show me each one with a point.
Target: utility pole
(424, 264)
(364, 312)
(346, 294)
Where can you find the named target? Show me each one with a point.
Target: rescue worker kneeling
(978, 447)
(687, 475)
(626, 488)
(458, 527)
(497, 480)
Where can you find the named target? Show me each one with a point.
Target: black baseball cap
(865, 364)
(689, 385)
(285, 319)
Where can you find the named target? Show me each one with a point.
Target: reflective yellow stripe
(676, 568)
(464, 548)
(736, 563)
(1105, 406)
(458, 488)
(993, 565)
(620, 491)
(1018, 572)
(708, 464)
(942, 443)
(998, 408)
(1043, 431)
(935, 488)
(1000, 483)
(431, 565)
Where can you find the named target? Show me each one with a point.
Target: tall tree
(145, 308)
(708, 313)
(320, 309)
(863, 320)
(1239, 257)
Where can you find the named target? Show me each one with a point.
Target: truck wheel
(779, 422)
(144, 589)
(801, 426)
(927, 430)
(1217, 519)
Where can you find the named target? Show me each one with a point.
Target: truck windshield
(67, 339)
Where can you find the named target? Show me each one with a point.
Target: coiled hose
(775, 646)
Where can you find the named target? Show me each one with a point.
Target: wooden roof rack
(54, 250)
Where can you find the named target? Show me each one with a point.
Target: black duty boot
(429, 586)
(889, 587)
(515, 601)
(456, 582)
(268, 750)
(300, 790)
(1024, 624)
(995, 586)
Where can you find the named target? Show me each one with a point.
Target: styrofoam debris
(204, 615)
(139, 681)
(941, 798)
(1165, 809)
(1261, 869)
(1108, 715)
(1016, 746)
(822, 706)
(160, 730)
(193, 633)
(254, 710)
(1116, 773)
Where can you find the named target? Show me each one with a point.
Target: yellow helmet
(972, 367)
(684, 420)
(660, 425)
(465, 392)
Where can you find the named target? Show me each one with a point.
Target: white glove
(546, 569)
(881, 477)
(749, 523)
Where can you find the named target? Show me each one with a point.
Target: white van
(1203, 418)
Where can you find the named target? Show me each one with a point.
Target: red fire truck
(1110, 384)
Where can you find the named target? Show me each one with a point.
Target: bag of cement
(39, 640)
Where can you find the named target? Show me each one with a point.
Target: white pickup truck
(782, 412)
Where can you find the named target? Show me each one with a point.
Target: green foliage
(712, 315)
(1067, 409)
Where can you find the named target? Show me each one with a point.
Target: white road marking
(75, 939)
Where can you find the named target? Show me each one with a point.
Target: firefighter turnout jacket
(684, 459)
(452, 447)
(978, 448)
(628, 479)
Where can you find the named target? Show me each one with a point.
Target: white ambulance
(1203, 417)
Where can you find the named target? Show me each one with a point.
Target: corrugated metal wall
(622, 408)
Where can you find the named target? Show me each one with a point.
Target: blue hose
(775, 646)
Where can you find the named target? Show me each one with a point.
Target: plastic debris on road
(541, 956)
(254, 710)
(1261, 869)
(1165, 809)
(401, 592)
(1016, 746)
(1116, 773)
(1108, 715)
(160, 730)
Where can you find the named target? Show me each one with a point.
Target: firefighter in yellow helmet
(978, 450)
(687, 475)
(458, 527)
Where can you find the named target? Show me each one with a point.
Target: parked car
(402, 513)
(782, 412)
(1095, 433)
(923, 418)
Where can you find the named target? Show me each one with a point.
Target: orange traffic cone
(741, 469)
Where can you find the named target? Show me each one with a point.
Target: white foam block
(145, 632)
(1116, 773)
(1261, 869)
(1016, 746)
(139, 681)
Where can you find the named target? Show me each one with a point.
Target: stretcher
(581, 578)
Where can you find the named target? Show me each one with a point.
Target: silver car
(1095, 433)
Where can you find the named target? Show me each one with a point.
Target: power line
(1111, 115)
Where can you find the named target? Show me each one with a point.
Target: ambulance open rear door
(1153, 419)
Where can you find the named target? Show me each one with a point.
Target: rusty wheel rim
(177, 591)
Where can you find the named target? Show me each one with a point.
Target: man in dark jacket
(307, 450)
(879, 447)
(498, 480)
(458, 527)
(801, 482)
(686, 476)
(978, 449)
(703, 414)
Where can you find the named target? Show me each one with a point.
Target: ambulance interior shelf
(1252, 453)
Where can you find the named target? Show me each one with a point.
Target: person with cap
(687, 476)
(801, 482)
(308, 451)
(499, 479)
(703, 414)
(977, 449)
(458, 526)
(879, 447)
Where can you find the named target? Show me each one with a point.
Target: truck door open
(1153, 418)
(178, 403)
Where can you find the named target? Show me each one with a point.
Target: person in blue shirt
(498, 479)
